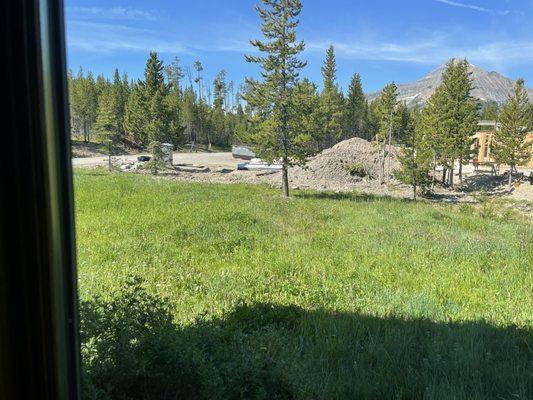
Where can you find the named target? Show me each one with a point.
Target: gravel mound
(347, 163)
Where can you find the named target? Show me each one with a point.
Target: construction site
(351, 165)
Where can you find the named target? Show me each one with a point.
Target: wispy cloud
(115, 13)
(96, 37)
(473, 7)
(430, 51)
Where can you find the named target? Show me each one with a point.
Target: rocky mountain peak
(488, 86)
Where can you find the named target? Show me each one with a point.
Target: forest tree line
(289, 119)
(161, 107)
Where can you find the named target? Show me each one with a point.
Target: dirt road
(211, 160)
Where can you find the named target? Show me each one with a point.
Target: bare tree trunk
(389, 156)
(450, 175)
(109, 165)
(285, 178)
(414, 192)
(85, 132)
(461, 170)
(510, 177)
(434, 173)
(444, 174)
(382, 162)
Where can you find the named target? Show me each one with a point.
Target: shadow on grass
(132, 349)
(350, 196)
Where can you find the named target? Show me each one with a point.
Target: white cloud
(473, 7)
(115, 13)
(97, 37)
(431, 51)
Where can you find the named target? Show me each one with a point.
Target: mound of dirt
(348, 162)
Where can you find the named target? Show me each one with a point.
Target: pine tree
(198, 80)
(530, 116)
(275, 133)
(356, 110)
(433, 132)
(385, 110)
(401, 123)
(106, 123)
(83, 102)
(157, 160)
(120, 98)
(509, 145)
(306, 103)
(190, 115)
(154, 79)
(329, 70)
(175, 74)
(457, 115)
(101, 85)
(490, 111)
(136, 117)
(415, 158)
(220, 90)
(332, 102)
(155, 91)
(157, 127)
(175, 124)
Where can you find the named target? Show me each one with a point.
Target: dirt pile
(345, 164)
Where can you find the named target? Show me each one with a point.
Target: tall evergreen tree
(83, 102)
(356, 110)
(432, 132)
(220, 90)
(415, 158)
(306, 103)
(457, 115)
(154, 79)
(385, 110)
(189, 113)
(106, 123)
(157, 127)
(332, 102)
(120, 98)
(136, 117)
(198, 80)
(175, 74)
(329, 70)
(175, 115)
(275, 133)
(509, 145)
(155, 91)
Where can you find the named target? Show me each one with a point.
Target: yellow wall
(484, 142)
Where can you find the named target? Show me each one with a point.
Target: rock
(191, 169)
(224, 170)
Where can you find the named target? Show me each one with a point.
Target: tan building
(483, 142)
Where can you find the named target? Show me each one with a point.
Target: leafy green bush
(131, 349)
(357, 169)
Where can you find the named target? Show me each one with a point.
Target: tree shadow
(485, 182)
(132, 349)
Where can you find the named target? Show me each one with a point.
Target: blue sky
(383, 40)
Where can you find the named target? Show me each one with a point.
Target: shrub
(157, 162)
(357, 169)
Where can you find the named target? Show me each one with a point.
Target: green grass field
(323, 296)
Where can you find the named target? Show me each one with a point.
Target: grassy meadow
(232, 292)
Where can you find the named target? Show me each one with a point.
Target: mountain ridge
(489, 86)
